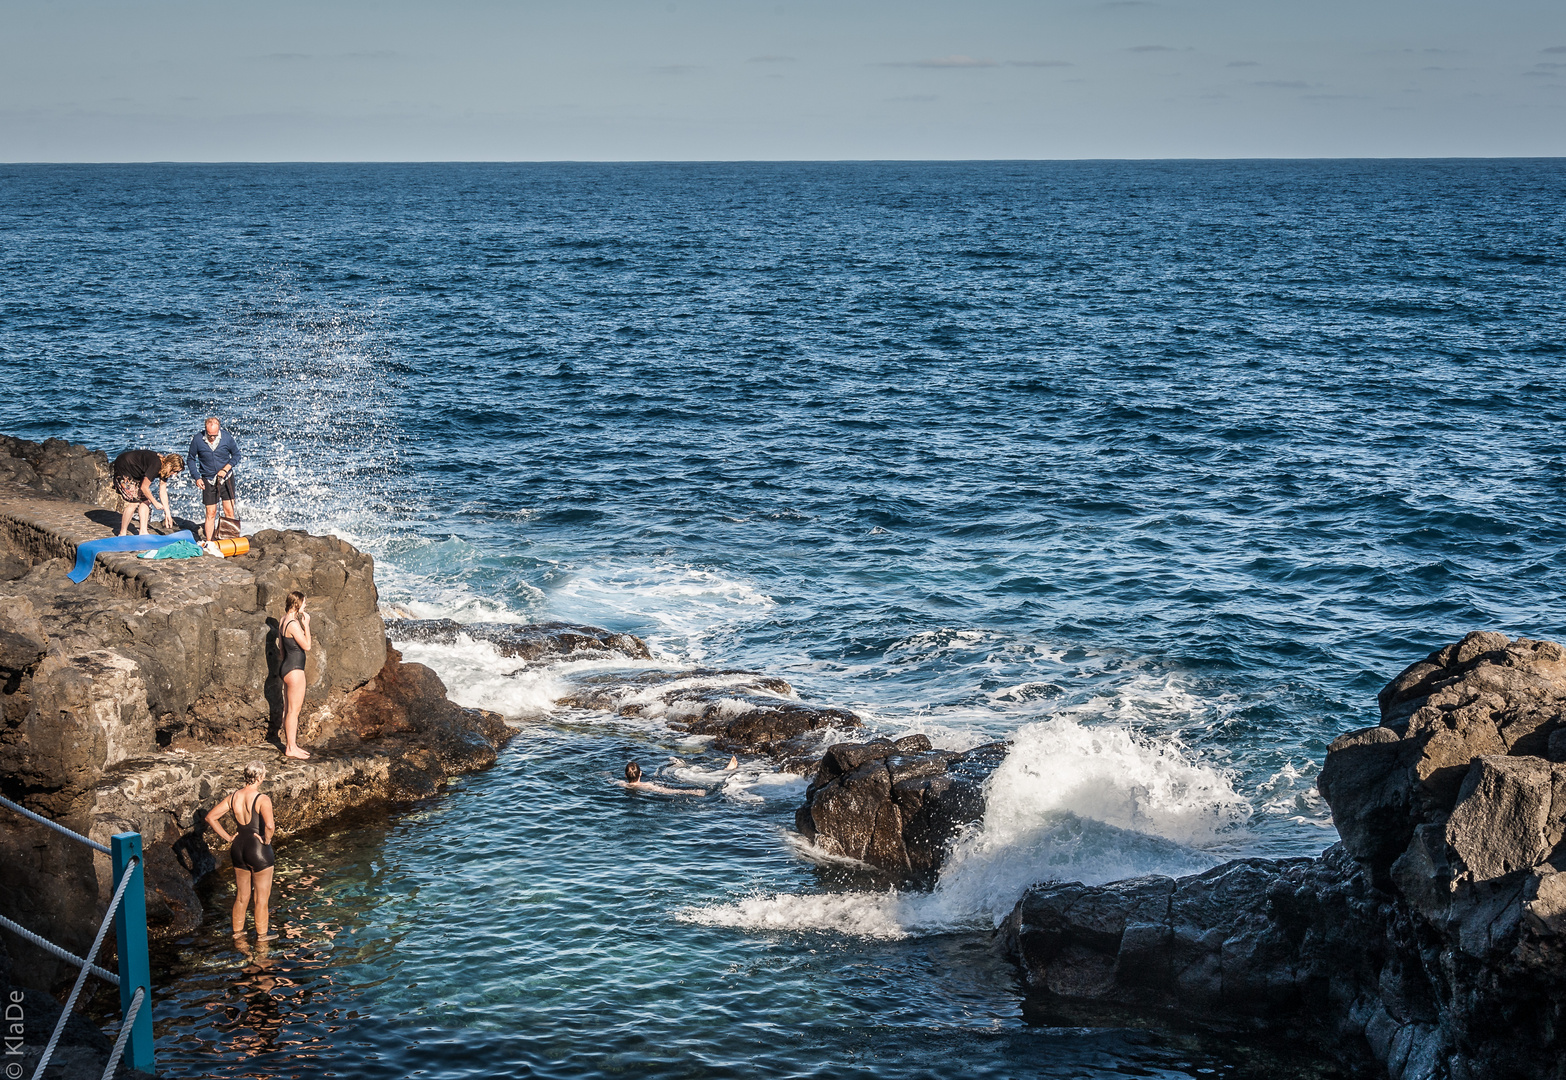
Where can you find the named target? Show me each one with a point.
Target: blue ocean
(1157, 470)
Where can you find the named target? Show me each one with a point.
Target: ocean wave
(1070, 803)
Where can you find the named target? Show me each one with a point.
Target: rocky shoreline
(135, 699)
(1429, 944)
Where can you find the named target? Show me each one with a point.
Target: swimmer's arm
(264, 808)
(215, 819)
(302, 627)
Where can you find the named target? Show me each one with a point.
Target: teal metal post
(130, 937)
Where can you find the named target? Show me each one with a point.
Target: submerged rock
(744, 712)
(895, 805)
(1431, 940)
(529, 641)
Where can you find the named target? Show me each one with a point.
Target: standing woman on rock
(293, 641)
(250, 848)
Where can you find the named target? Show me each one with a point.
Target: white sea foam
(479, 676)
(871, 915)
(664, 699)
(1070, 803)
(685, 603)
(455, 602)
(1292, 794)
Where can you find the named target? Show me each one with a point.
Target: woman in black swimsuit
(293, 639)
(250, 848)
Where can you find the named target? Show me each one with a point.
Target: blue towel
(86, 553)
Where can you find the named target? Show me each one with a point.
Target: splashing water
(1068, 803)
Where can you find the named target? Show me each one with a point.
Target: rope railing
(97, 943)
(128, 912)
(125, 1030)
(55, 825)
(48, 946)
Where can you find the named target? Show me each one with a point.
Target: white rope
(97, 942)
(56, 826)
(49, 946)
(125, 1030)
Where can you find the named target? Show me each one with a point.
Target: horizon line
(783, 161)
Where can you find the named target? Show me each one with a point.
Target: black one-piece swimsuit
(248, 851)
(293, 652)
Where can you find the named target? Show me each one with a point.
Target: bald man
(215, 456)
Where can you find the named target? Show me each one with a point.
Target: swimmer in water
(633, 781)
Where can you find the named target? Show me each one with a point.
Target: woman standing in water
(293, 639)
(250, 848)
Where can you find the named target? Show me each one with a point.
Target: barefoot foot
(296, 752)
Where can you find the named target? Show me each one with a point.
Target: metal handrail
(128, 912)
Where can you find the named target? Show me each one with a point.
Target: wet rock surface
(895, 805)
(742, 711)
(527, 641)
(1429, 943)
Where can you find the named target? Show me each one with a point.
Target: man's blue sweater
(212, 459)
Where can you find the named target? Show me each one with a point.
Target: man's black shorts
(214, 490)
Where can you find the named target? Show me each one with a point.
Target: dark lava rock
(529, 641)
(1484, 696)
(82, 1052)
(895, 805)
(56, 467)
(745, 712)
(1431, 941)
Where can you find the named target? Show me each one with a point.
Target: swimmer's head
(633, 772)
(255, 772)
(295, 601)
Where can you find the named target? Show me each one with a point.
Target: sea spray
(674, 606)
(1071, 803)
(478, 675)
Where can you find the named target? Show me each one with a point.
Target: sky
(686, 80)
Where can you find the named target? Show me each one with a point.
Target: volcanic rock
(743, 711)
(1484, 696)
(56, 467)
(134, 700)
(1431, 940)
(895, 805)
(528, 641)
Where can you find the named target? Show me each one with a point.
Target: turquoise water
(531, 922)
(1158, 470)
